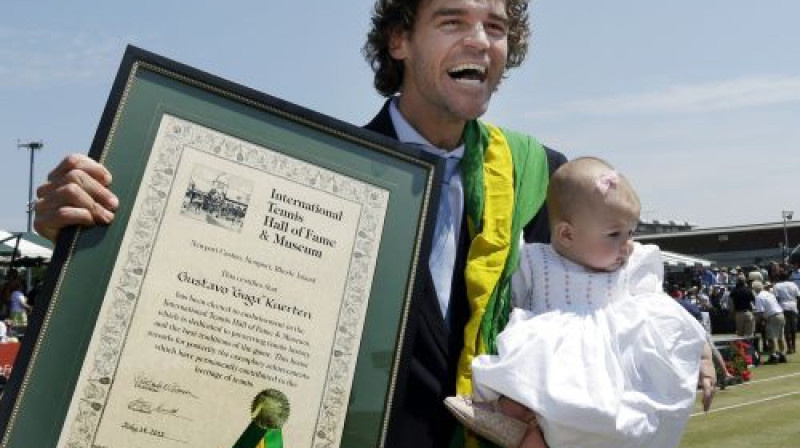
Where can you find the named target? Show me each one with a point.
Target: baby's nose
(627, 248)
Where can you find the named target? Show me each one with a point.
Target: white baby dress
(606, 360)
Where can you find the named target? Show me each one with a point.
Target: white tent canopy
(676, 259)
(30, 245)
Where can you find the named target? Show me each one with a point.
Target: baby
(595, 352)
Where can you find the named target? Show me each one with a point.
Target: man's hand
(708, 377)
(76, 193)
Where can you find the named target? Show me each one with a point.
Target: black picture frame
(148, 87)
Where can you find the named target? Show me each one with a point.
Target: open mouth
(468, 73)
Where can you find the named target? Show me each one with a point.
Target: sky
(697, 103)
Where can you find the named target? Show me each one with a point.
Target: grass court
(764, 412)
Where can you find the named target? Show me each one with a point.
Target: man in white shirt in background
(787, 293)
(770, 311)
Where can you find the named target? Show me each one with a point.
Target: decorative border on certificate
(176, 134)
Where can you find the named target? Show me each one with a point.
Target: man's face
(454, 57)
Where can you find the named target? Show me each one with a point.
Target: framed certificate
(255, 284)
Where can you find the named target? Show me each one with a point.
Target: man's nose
(477, 37)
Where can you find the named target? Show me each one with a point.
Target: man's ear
(564, 234)
(397, 44)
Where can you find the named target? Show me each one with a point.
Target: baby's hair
(586, 184)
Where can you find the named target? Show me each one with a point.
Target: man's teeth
(468, 73)
(463, 67)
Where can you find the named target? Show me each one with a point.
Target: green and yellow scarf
(505, 176)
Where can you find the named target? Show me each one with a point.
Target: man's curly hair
(398, 15)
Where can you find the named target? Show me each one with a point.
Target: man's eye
(451, 24)
(496, 29)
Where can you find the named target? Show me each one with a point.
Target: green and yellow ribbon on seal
(269, 411)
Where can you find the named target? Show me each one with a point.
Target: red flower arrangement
(739, 360)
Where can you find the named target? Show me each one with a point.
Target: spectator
(742, 298)
(770, 312)
(5, 293)
(703, 300)
(722, 277)
(707, 277)
(725, 299)
(755, 274)
(691, 294)
(689, 305)
(4, 337)
(716, 297)
(787, 294)
(773, 269)
(17, 303)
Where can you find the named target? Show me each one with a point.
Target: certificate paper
(241, 270)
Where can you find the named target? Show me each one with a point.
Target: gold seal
(270, 409)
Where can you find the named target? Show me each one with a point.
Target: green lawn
(762, 413)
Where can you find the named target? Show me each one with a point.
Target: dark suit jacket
(422, 420)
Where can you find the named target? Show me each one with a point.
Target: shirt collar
(407, 134)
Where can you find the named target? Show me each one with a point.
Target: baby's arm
(708, 377)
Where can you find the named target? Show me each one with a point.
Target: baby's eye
(613, 234)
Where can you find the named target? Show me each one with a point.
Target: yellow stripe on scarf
(489, 249)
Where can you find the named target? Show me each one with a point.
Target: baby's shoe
(486, 421)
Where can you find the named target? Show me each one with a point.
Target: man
(722, 277)
(703, 300)
(690, 306)
(755, 275)
(708, 277)
(439, 61)
(742, 298)
(769, 311)
(787, 293)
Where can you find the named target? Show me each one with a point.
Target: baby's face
(604, 240)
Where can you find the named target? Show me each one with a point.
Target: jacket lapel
(382, 123)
